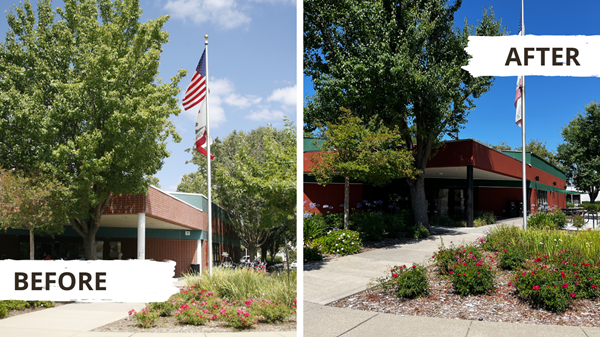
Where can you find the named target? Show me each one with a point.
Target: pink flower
(536, 287)
(479, 263)
(594, 286)
(572, 295)
(565, 285)
(146, 321)
(451, 272)
(394, 275)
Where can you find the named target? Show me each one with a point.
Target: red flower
(394, 275)
(536, 287)
(594, 286)
(565, 285)
(572, 295)
(451, 272)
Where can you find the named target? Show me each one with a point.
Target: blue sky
(252, 65)
(551, 102)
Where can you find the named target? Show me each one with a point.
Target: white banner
(534, 55)
(87, 281)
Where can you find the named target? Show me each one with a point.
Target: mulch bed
(169, 324)
(501, 306)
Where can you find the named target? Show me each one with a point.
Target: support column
(469, 195)
(141, 236)
(199, 254)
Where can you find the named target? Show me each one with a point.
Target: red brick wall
(331, 195)
(126, 204)
(496, 199)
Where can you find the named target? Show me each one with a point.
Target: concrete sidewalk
(331, 280)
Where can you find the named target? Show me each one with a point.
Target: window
(99, 250)
(216, 253)
(115, 250)
(542, 197)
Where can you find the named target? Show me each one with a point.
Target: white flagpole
(210, 252)
(525, 202)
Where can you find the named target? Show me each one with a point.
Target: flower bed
(513, 284)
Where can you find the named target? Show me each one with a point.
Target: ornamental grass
(242, 284)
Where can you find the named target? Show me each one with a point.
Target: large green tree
(369, 152)
(80, 100)
(32, 203)
(400, 60)
(254, 180)
(580, 153)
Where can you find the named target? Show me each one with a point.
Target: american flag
(518, 105)
(196, 92)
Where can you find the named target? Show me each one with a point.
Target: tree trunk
(89, 246)
(251, 252)
(346, 202)
(31, 245)
(418, 200)
(593, 196)
(263, 252)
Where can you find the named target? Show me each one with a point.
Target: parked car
(294, 265)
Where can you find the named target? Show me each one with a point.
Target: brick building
(458, 169)
(159, 226)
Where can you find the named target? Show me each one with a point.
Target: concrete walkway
(328, 281)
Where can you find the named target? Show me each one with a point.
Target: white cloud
(222, 92)
(226, 14)
(286, 96)
(265, 115)
(241, 101)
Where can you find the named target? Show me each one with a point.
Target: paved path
(331, 280)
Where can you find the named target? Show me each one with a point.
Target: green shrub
(417, 232)
(269, 312)
(512, 258)
(559, 219)
(472, 278)
(501, 236)
(312, 254)
(343, 242)
(3, 311)
(395, 224)
(588, 206)
(570, 205)
(446, 257)
(314, 226)
(411, 282)
(45, 304)
(578, 221)
(194, 315)
(15, 304)
(145, 318)
(483, 218)
(373, 225)
(164, 309)
(549, 289)
(241, 319)
(541, 220)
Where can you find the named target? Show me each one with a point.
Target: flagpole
(525, 202)
(209, 185)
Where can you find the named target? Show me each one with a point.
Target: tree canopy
(32, 203)
(80, 100)
(580, 152)
(400, 60)
(254, 180)
(370, 152)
